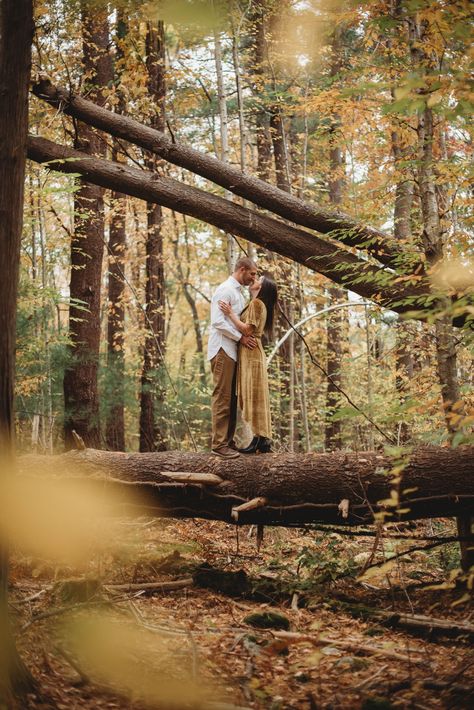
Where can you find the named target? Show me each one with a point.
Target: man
(222, 352)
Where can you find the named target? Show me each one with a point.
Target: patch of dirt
(186, 639)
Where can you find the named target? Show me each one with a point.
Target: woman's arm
(244, 328)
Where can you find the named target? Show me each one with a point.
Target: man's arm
(220, 321)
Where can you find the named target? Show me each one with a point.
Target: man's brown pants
(224, 399)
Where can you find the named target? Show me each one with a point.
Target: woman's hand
(225, 307)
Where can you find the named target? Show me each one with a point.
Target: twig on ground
(294, 637)
(32, 597)
(151, 586)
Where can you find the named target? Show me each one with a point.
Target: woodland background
(359, 108)
(324, 99)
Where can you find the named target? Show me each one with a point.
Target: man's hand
(248, 341)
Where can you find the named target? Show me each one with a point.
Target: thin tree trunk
(47, 430)
(334, 330)
(334, 352)
(242, 127)
(81, 397)
(284, 277)
(231, 251)
(433, 240)
(16, 34)
(404, 193)
(115, 419)
(258, 69)
(404, 331)
(185, 284)
(152, 394)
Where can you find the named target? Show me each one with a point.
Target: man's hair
(244, 263)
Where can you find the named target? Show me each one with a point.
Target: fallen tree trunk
(291, 489)
(339, 226)
(340, 265)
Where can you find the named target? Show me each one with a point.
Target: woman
(252, 380)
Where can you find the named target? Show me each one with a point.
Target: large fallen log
(284, 489)
(340, 265)
(339, 226)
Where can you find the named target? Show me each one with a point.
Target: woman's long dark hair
(269, 295)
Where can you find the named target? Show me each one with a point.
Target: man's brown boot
(225, 452)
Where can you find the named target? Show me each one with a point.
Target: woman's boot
(252, 447)
(264, 445)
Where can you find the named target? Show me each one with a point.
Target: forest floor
(91, 645)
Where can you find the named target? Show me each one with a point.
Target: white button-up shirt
(223, 333)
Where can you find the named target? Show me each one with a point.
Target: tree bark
(81, 397)
(185, 284)
(231, 247)
(433, 241)
(258, 73)
(152, 393)
(115, 419)
(334, 329)
(16, 33)
(292, 489)
(339, 265)
(337, 225)
(403, 234)
(334, 352)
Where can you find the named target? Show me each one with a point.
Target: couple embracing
(238, 362)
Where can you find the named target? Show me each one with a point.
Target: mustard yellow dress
(252, 379)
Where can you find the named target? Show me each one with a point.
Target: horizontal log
(337, 264)
(425, 625)
(296, 488)
(339, 226)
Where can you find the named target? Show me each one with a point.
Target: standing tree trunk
(284, 276)
(231, 251)
(403, 234)
(186, 286)
(335, 320)
(152, 394)
(81, 398)
(433, 243)
(115, 423)
(16, 33)
(445, 343)
(262, 126)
